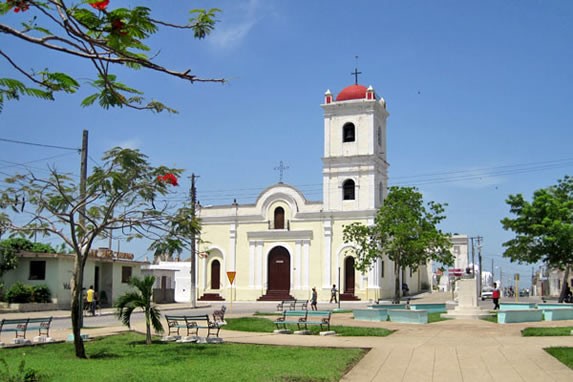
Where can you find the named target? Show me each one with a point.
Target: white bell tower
(355, 170)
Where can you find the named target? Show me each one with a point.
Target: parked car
(486, 292)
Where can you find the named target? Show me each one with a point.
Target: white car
(486, 292)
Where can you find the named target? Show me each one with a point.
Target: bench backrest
(294, 313)
(318, 314)
(42, 320)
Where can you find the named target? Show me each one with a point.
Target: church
(283, 245)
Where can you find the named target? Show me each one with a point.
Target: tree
(9, 249)
(543, 228)
(105, 38)
(140, 298)
(405, 231)
(122, 196)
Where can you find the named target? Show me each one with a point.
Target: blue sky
(478, 95)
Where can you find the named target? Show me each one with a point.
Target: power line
(39, 144)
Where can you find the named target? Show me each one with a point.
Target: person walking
(495, 296)
(90, 299)
(313, 299)
(333, 294)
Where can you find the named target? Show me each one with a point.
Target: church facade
(283, 245)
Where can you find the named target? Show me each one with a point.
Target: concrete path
(453, 350)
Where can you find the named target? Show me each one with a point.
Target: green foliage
(41, 294)
(9, 249)
(20, 293)
(103, 39)
(543, 228)
(404, 230)
(140, 298)
(21, 374)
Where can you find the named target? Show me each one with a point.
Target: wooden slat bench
(192, 324)
(292, 317)
(281, 305)
(301, 304)
(20, 325)
(318, 317)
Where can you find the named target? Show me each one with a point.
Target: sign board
(455, 272)
(231, 276)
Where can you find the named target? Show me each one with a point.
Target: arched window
(348, 190)
(279, 218)
(348, 133)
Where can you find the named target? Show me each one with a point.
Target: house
(108, 271)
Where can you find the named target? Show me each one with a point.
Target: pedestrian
(313, 299)
(495, 296)
(333, 294)
(91, 299)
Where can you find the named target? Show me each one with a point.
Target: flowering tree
(105, 37)
(123, 195)
(405, 231)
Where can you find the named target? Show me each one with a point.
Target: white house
(108, 271)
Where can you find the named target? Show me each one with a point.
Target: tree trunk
(564, 286)
(147, 328)
(397, 285)
(77, 312)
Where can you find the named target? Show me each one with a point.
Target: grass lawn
(265, 325)
(126, 358)
(563, 354)
(540, 332)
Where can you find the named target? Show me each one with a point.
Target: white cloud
(234, 28)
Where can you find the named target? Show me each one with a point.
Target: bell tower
(355, 170)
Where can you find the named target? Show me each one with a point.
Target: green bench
(302, 304)
(303, 318)
(290, 317)
(192, 323)
(318, 317)
(20, 325)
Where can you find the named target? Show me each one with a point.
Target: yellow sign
(231, 276)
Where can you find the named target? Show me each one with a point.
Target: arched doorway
(349, 275)
(278, 271)
(215, 274)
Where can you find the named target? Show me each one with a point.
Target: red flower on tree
(101, 5)
(19, 5)
(168, 178)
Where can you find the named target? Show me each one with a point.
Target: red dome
(352, 92)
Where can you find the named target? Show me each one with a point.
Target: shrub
(20, 293)
(41, 293)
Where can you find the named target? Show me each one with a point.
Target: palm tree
(140, 298)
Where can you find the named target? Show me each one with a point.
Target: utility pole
(193, 288)
(82, 222)
(473, 258)
(480, 264)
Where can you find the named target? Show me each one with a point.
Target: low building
(108, 271)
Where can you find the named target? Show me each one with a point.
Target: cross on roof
(281, 168)
(355, 74)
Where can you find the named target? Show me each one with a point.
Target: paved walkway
(453, 350)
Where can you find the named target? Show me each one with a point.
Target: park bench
(20, 325)
(408, 316)
(192, 324)
(318, 317)
(524, 315)
(292, 317)
(281, 305)
(302, 304)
